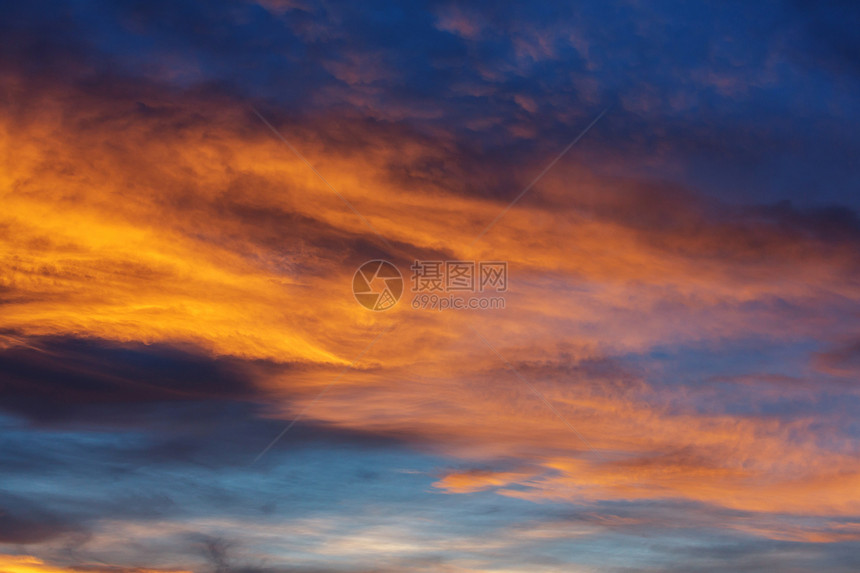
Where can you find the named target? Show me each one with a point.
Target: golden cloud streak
(190, 224)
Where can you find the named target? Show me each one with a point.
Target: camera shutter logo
(377, 285)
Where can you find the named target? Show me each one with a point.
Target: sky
(667, 383)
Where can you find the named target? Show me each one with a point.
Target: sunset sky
(189, 384)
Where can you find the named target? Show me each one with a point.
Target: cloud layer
(670, 386)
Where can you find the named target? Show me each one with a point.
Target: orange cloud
(478, 480)
(189, 223)
(30, 564)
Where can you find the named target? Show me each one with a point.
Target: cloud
(174, 284)
(26, 523)
(231, 245)
(30, 564)
(55, 377)
(844, 360)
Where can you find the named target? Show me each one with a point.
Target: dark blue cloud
(57, 378)
(746, 101)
